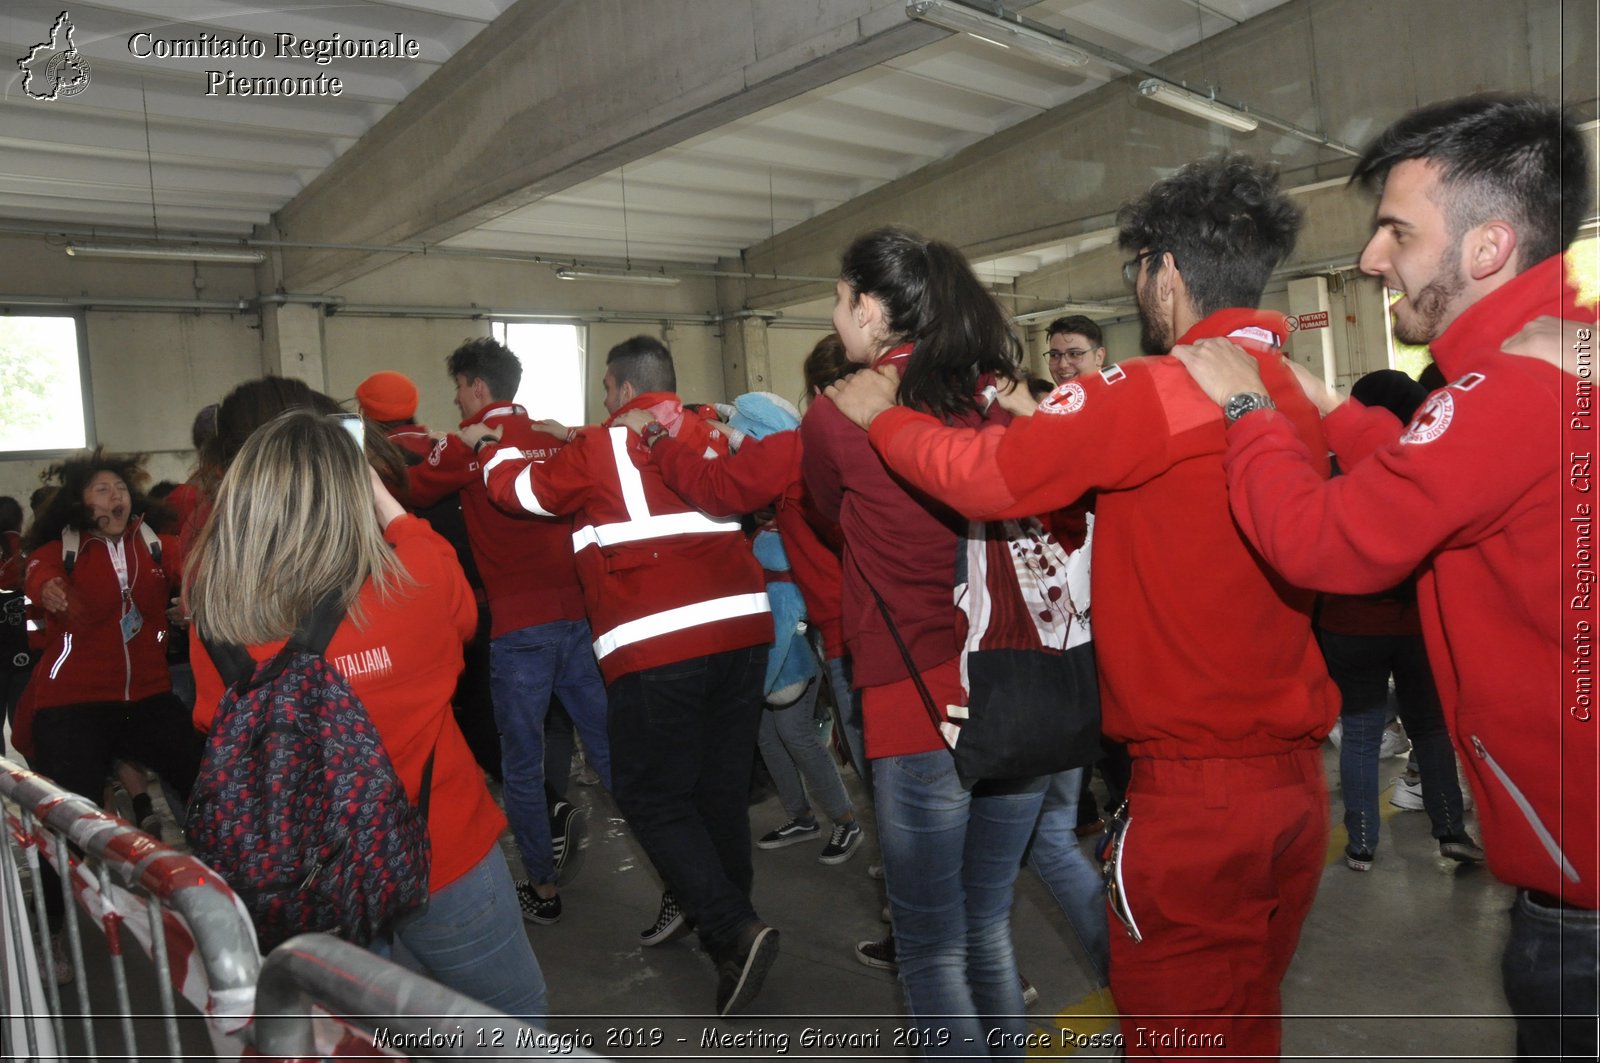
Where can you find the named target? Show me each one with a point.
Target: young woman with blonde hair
(298, 517)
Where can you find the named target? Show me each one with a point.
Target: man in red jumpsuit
(1490, 491)
(1208, 667)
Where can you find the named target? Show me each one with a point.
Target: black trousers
(74, 745)
(683, 738)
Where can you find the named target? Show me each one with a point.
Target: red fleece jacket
(1203, 651)
(525, 561)
(1473, 492)
(403, 664)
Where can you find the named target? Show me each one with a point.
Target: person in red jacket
(1479, 197)
(1208, 667)
(951, 850)
(539, 637)
(681, 623)
(101, 689)
(255, 576)
(388, 400)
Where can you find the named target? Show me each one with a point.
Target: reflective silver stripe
(632, 531)
(525, 496)
(1546, 839)
(523, 484)
(627, 475)
(502, 455)
(649, 627)
(66, 650)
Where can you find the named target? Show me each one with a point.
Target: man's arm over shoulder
(742, 482)
(449, 467)
(1115, 429)
(553, 487)
(1458, 469)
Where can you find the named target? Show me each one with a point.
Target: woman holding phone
(330, 527)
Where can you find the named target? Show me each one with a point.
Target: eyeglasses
(1130, 268)
(1074, 353)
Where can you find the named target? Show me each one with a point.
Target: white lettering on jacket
(374, 661)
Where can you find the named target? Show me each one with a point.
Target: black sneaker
(567, 823)
(1461, 847)
(670, 922)
(842, 843)
(537, 909)
(741, 972)
(1357, 859)
(796, 830)
(879, 954)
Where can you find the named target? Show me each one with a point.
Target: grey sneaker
(842, 843)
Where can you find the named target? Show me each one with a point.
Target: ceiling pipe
(1123, 62)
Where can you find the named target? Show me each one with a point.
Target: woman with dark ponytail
(950, 853)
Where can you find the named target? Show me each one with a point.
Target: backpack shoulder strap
(70, 540)
(151, 540)
(233, 661)
(316, 630)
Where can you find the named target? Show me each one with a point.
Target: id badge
(1110, 852)
(132, 623)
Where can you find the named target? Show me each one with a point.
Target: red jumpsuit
(1208, 669)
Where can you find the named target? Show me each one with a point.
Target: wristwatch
(1243, 402)
(652, 432)
(478, 446)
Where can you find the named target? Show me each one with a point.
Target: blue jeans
(1361, 666)
(791, 747)
(1059, 862)
(1550, 970)
(950, 859)
(684, 738)
(849, 702)
(525, 666)
(470, 937)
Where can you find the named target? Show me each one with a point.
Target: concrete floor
(1399, 962)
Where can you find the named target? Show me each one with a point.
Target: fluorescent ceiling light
(244, 255)
(615, 276)
(996, 30)
(1195, 104)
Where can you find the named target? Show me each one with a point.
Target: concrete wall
(150, 371)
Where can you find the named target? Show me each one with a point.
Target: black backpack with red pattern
(298, 806)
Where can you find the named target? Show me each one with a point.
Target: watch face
(1239, 405)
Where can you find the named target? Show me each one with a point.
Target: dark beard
(1152, 331)
(1431, 304)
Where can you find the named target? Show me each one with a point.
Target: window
(43, 384)
(553, 369)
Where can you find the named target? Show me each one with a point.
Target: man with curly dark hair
(1208, 667)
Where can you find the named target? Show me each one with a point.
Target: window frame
(85, 384)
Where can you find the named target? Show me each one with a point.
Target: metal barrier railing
(389, 1006)
(314, 997)
(175, 907)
